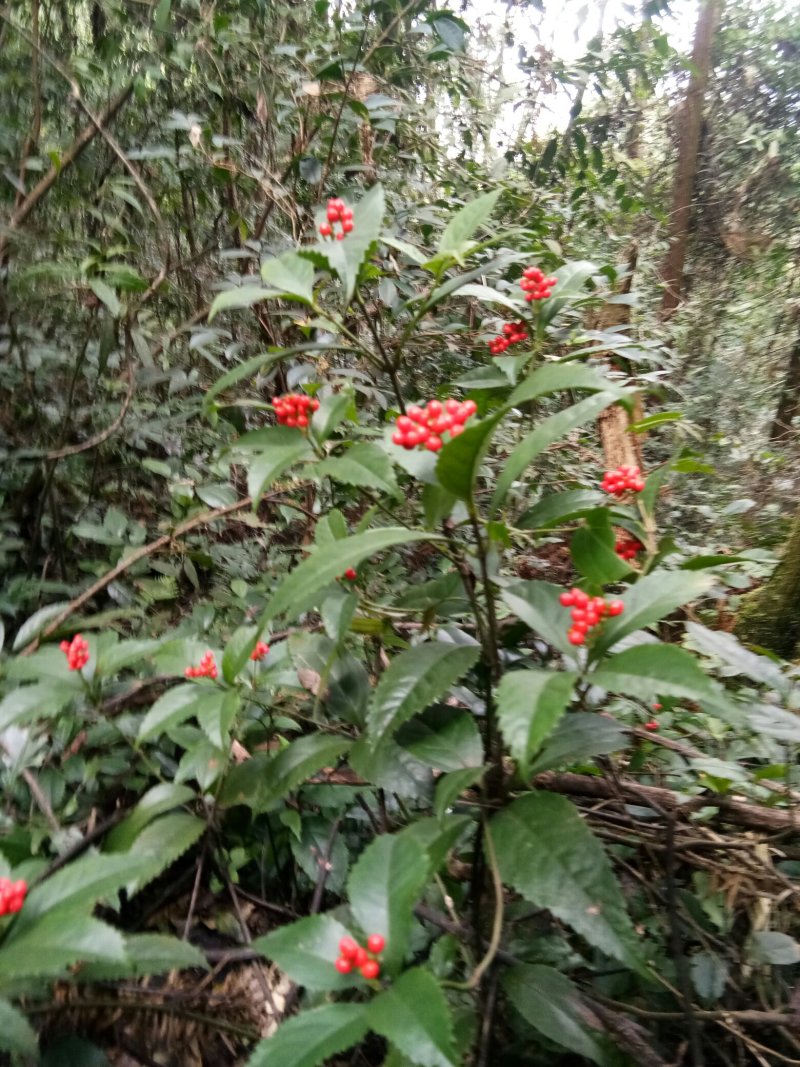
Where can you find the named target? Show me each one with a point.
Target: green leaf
(737, 658)
(292, 274)
(578, 738)
(16, 1033)
(250, 367)
(45, 948)
(307, 950)
(551, 1003)
(147, 954)
(460, 459)
(450, 787)
(651, 421)
(413, 681)
(159, 845)
(549, 855)
(348, 256)
(537, 604)
(652, 670)
(592, 550)
(34, 625)
(437, 836)
(557, 377)
(243, 296)
(305, 583)
(709, 975)
(529, 704)
(260, 783)
(155, 802)
(311, 1038)
(769, 946)
(653, 597)
(179, 704)
(414, 1016)
(361, 464)
(124, 654)
(443, 737)
(383, 887)
(456, 238)
(268, 453)
(490, 296)
(107, 296)
(572, 278)
(548, 430)
(31, 702)
(558, 508)
(237, 652)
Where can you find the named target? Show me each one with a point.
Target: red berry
(343, 965)
(566, 599)
(371, 969)
(652, 725)
(350, 574)
(656, 707)
(376, 943)
(360, 956)
(326, 230)
(576, 636)
(348, 947)
(616, 607)
(433, 444)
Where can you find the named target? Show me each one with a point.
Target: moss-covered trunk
(770, 616)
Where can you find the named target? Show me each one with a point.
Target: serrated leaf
(551, 1003)
(147, 954)
(652, 670)
(450, 787)
(557, 377)
(16, 1033)
(653, 597)
(383, 887)
(292, 274)
(529, 704)
(46, 947)
(309, 578)
(414, 1016)
(544, 434)
(306, 950)
(456, 238)
(549, 855)
(557, 508)
(267, 453)
(160, 844)
(124, 654)
(179, 704)
(260, 784)
(161, 798)
(311, 1038)
(443, 737)
(31, 702)
(459, 461)
(243, 296)
(578, 738)
(413, 681)
(437, 836)
(592, 551)
(537, 604)
(363, 465)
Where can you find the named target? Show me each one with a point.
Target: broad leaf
(259, 784)
(578, 738)
(737, 658)
(179, 704)
(307, 950)
(124, 654)
(45, 948)
(438, 835)
(557, 377)
(592, 550)
(243, 296)
(443, 737)
(550, 856)
(312, 1037)
(459, 461)
(305, 583)
(551, 1003)
(572, 277)
(653, 597)
(160, 844)
(363, 465)
(450, 787)
(31, 702)
(456, 238)
(414, 1016)
(268, 453)
(147, 954)
(34, 625)
(161, 798)
(529, 704)
(16, 1033)
(557, 508)
(652, 670)
(292, 274)
(413, 681)
(537, 604)
(237, 652)
(383, 888)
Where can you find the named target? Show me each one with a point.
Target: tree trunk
(690, 120)
(789, 402)
(770, 616)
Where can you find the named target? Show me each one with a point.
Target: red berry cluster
(425, 426)
(261, 650)
(623, 480)
(12, 896)
(536, 285)
(292, 409)
(587, 611)
(337, 212)
(513, 333)
(76, 651)
(627, 546)
(351, 955)
(206, 669)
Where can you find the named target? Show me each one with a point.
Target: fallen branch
(103, 435)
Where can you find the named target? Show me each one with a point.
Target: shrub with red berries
(207, 668)
(624, 479)
(513, 333)
(12, 896)
(587, 612)
(294, 409)
(353, 956)
(426, 426)
(339, 212)
(536, 285)
(628, 547)
(261, 650)
(76, 651)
